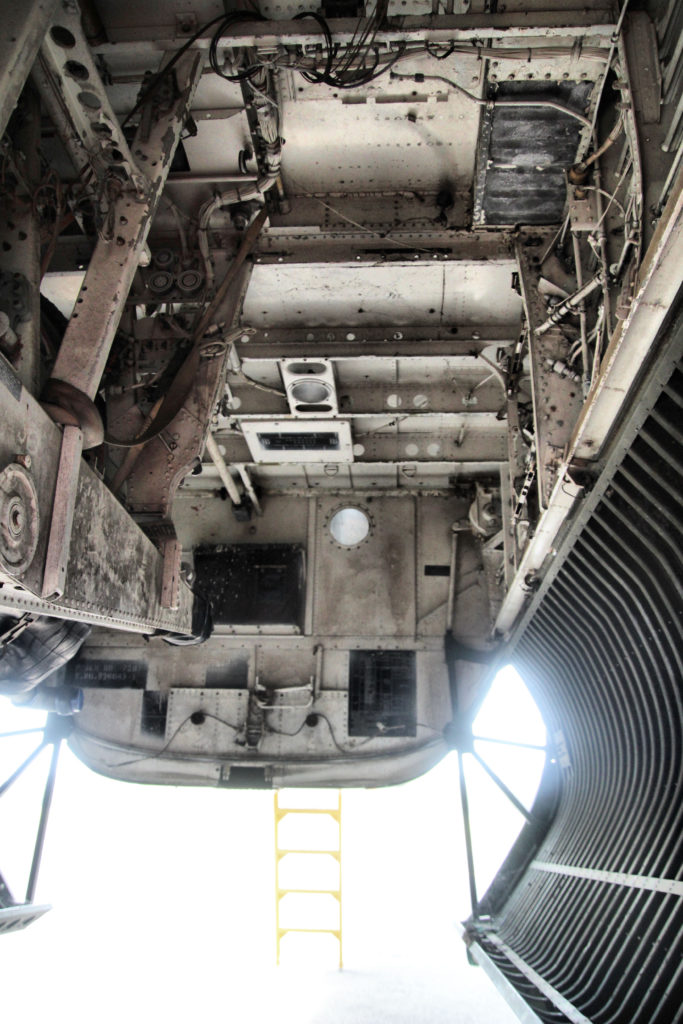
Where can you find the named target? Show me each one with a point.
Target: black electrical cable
(226, 22)
(154, 81)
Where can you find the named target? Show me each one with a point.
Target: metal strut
(14, 916)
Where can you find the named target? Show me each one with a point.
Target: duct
(602, 655)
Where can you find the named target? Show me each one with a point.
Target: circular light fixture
(349, 526)
(310, 391)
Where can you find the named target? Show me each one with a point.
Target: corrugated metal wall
(598, 915)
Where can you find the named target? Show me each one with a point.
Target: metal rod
(502, 787)
(42, 824)
(223, 471)
(570, 304)
(20, 732)
(248, 486)
(190, 178)
(585, 358)
(22, 767)
(468, 836)
(510, 743)
(248, 242)
(451, 581)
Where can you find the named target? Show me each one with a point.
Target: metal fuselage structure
(323, 336)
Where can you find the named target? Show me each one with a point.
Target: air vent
(298, 441)
(310, 387)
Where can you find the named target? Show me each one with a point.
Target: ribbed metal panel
(603, 655)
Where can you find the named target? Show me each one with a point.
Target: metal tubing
(22, 768)
(249, 487)
(451, 581)
(223, 471)
(502, 787)
(570, 305)
(509, 743)
(191, 178)
(585, 359)
(468, 837)
(19, 732)
(42, 824)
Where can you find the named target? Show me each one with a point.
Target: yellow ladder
(299, 807)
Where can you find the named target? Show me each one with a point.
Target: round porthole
(349, 526)
(310, 391)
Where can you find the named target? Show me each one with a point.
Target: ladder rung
(332, 853)
(281, 811)
(312, 931)
(326, 892)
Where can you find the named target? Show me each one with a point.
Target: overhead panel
(329, 294)
(400, 135)
(366, 588)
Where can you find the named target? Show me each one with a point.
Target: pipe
(223, 471)
(569, 305)
(526, 102)
(318, 681)
(241, 193)
(585, 359)
(455, 529)
(249, 487)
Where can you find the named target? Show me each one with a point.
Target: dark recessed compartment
(382, 693)
(154, 712)
(253, 584)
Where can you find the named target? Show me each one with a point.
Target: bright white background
(164, 907)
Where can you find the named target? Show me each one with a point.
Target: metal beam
(42, 824)
(461, 442)
(90, 332)
(464, 807)
(671, 886)
(20, 234)
(23, 27)
(517, 804)
(469, 392)
(633, 347)
(359, 341)
(557, 399)
(112, 573)
(75, 97)
(598, 21)
(509, 993)
(555, 997)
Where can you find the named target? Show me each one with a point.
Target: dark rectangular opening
(382, 693)
(437, 570)
(300, 442)
(253, 584)
(154, 712)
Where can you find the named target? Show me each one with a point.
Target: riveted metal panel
(369, 588)
(403, 293)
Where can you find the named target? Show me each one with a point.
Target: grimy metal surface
(491, 406)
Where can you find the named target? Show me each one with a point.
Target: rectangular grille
(382, 693)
